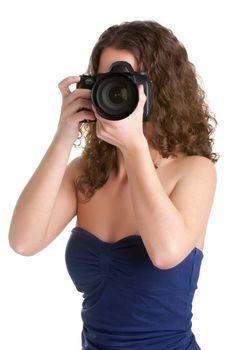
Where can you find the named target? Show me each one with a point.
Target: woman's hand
(126, 132)
(72, 112)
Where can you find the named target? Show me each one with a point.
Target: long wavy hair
(180, 120)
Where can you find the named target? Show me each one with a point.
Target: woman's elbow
(21, 249)
(167, 260)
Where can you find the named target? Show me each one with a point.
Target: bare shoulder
(74, 167)
(197, 166)
(197, 179)
(75, 163)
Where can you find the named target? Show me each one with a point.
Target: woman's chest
(110, 214)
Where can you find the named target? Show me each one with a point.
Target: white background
(42, 42)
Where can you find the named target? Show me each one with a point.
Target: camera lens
(116, 96)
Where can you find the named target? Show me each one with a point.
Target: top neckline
(92, 235)
(128, 237)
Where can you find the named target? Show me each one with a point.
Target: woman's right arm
(48, 201)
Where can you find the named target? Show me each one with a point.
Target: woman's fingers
(64, 85)
(79, 105)
(78, 93)
(85, 115)
(142, 97)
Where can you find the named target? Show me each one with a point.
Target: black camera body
(115, 93)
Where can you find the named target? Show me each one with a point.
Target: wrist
(60, 142)
(137, 146)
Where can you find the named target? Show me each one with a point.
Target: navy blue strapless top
(130, 304)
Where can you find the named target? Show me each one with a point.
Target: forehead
(110, 55)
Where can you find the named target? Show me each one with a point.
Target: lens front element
(116, 96)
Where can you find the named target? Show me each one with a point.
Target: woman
(142, 193)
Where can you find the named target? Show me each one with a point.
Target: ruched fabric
(130, 304)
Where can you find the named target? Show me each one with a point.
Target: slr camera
(115, 93)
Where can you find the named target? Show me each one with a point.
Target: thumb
(142, 96)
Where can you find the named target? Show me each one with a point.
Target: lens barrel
(115, 96)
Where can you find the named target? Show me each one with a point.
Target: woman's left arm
(169, 226)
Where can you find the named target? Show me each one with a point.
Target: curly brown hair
(180, 118)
